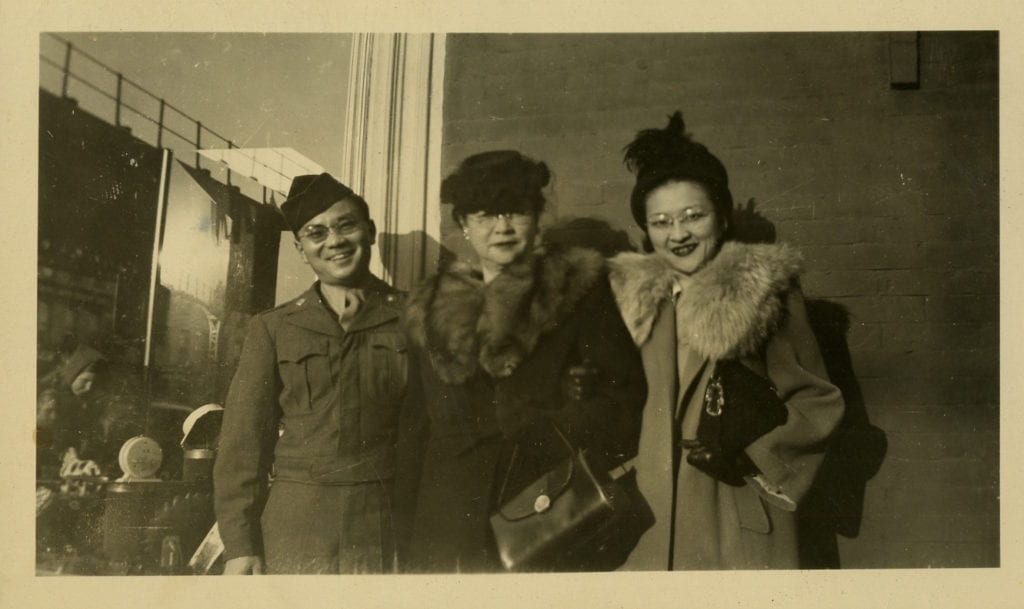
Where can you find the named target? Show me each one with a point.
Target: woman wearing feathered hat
(739, 408)
(492, 342)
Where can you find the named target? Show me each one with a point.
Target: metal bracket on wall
(904, 60)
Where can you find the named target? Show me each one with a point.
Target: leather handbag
(572, 518)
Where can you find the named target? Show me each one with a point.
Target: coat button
(542, 503)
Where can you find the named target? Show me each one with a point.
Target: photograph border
(19, 587)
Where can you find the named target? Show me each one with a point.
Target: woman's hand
(727, 467)
(723, 457)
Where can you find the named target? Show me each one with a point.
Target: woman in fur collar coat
(491, 351)
(722, 474)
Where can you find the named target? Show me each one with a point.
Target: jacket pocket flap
(751, 511)
(296, 349)
(392, 341)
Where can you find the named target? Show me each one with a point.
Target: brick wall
(890, 194)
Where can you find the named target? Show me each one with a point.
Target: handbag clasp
(714, 397)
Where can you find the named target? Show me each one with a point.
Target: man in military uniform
(315, 399)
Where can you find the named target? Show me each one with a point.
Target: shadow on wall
(835, 503)
(405, 257)
(751, 226)
(588, 232)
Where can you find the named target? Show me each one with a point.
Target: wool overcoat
(318, 404)
(489, 365)
(744, 304)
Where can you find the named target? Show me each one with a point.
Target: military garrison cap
(311, 195)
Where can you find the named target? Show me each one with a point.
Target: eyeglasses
(688, 218)
(318, 233)
(486, 220)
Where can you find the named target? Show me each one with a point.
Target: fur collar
(462, 323)
(728, 309)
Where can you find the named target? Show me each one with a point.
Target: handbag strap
(511, 463)
(691, 389)
(678, 442)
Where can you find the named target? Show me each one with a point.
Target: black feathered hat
(311, 195)
(658, 156)
(498, 181)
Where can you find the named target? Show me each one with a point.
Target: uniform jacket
(489, 360)
(315, 401)
(744, 304)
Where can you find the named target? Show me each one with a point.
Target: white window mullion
(391, 152)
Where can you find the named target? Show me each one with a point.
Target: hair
(498, 181)
(660, 156)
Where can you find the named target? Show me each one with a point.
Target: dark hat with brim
(310, 196)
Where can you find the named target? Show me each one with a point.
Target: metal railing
(69, 71)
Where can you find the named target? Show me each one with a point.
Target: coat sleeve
(608, 421)
(789, 455)
(246, 446)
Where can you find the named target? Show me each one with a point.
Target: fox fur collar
(462, 323)
(728, 309)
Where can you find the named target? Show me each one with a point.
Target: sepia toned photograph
(462, 303)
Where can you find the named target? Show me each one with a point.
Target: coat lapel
(381, 304)
(309, 313)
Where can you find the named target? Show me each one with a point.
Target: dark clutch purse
(572, 518)
(739, 407)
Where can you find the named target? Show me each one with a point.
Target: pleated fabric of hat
(311, 195)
